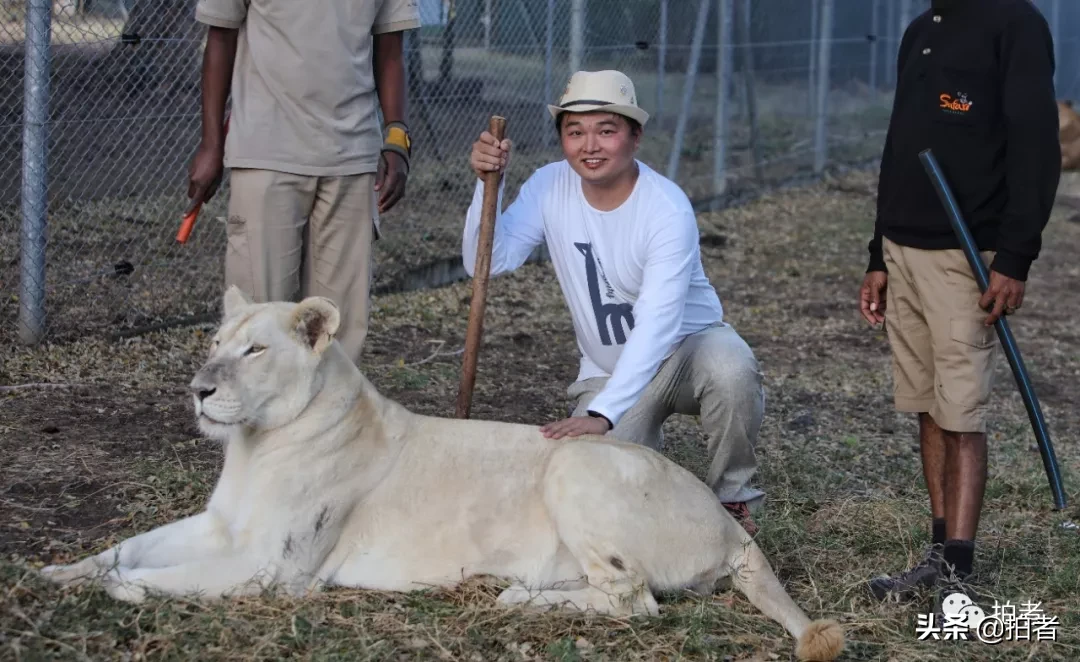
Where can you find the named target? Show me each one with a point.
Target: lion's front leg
(199, 536)
(212, 578)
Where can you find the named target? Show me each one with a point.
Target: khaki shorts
(943, 353)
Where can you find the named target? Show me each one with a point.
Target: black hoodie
(975, 83)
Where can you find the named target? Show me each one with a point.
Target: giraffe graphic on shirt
(615, 312)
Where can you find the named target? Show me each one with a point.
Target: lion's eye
(255, 349)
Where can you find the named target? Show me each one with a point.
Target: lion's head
(262, 369)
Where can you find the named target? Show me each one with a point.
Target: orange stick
(188, 223)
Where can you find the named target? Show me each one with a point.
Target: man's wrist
(596, 414)
(397, 139)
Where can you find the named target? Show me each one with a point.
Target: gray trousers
(714, 375)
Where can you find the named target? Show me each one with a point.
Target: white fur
(326, 482)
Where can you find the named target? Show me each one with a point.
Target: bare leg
(933, 448)
(966, 483)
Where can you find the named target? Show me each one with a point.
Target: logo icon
(958, 105)
(959, 609)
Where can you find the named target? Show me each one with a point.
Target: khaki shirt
(303, 87)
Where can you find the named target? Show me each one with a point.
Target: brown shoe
(741, 513)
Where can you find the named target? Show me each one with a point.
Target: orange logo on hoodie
(958, 104)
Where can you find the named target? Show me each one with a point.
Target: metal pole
(892, 39)
(750, 88)
(811, 56)
(35, 185)
(688, 89)
(724, 65)
(1055, 31)
(904, 20)
(486, 20)
(548, 47)
(577, 34)
(824, 55)
(875, 20)
(661, 60)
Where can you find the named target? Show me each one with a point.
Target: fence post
(35, 187)
(811, 56)
(875, 19)
(548, 48)
(1055, 31)
(661, 62)
(724, 55)
(688, 89)
(577, 34)
(824, 54)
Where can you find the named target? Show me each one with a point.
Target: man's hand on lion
(1004, 296)
(488, 155)
(575, 426)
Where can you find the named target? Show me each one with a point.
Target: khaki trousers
(942, 351)
(292, 236)
(714, 375)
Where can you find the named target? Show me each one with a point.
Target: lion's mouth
(212, 420)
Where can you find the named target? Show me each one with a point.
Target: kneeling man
(623, 241)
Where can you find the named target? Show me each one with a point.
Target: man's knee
(729, 365)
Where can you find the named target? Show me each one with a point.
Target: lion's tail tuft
(822, 641)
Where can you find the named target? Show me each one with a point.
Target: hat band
(590, 102)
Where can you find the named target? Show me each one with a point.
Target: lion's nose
(204, 393)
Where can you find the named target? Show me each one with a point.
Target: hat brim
(632, 112)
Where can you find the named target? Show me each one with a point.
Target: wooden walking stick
(497, 128)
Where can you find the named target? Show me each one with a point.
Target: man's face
(598, 145)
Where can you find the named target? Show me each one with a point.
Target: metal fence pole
(824, 54)
(688, 89)
(548, 48)
(35, 185)
(577, 34)
(724, 55)
(1055, 31)
(875, 19)
(661, 63)
(811, 56)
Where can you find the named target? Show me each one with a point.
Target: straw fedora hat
(609, 90)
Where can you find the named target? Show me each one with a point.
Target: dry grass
(115, 452)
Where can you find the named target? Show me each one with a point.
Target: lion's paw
(72, 574)
(124, 590)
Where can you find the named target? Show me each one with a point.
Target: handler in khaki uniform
(975, 83)
(304, 148)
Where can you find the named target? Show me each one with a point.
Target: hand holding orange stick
(188, 222)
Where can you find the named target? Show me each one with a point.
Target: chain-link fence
(101, 108)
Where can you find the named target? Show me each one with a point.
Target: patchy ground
(110, 449)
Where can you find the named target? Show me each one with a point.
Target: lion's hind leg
(609, 588)
(818, 640)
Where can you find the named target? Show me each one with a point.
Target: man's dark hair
(635, 126)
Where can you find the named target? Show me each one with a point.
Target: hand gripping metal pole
(1008, 343)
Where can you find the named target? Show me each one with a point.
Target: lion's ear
(234, 300)
(315, 322)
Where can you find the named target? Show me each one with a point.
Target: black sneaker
(906, 584)
(949, 585)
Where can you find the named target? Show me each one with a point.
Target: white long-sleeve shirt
(632, 277)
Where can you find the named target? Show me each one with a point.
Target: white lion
(328, 483)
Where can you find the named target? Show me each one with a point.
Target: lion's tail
(816, 641)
